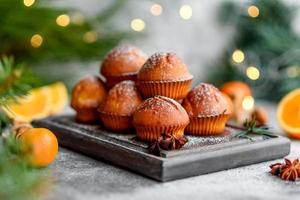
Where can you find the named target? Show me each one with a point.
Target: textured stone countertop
(78, 177)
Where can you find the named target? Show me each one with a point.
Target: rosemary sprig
(251, 128)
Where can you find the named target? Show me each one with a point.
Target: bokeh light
(63, 20)
(253, 11)
(293, 71)
(156, 9)
(252, 73)
(28, 3)
(90, 36)
(186, 12)
(248, 103)
(36, 40)
(238, 56)
(137, 25)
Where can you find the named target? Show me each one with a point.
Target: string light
(156, 9)
(238, 56)
(252, 72)
(28, 3)
(248, 103)
(36, 40)
(63, 20)
(186, 12)
(90, 37)
(137, 25)
(253, 11)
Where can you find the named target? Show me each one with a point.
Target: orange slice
(35, 105)
(59, 97)
(288, 113)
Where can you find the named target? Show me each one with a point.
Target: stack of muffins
(146, 94)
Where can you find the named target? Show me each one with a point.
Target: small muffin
(122, 100)
(122, 63)
(164, 74)
(206, 107)
(159, 115)
(87, 95)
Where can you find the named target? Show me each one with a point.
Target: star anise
(167, 141)
(290, 170)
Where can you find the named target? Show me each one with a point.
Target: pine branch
(251, 128)
(15, 81)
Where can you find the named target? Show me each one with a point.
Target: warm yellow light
(252, 73)
(293, 71)
(253, 11)
(36, 40)
(137, 25)
(63, 20)
(78, 19)
(156, 9)
(248, 103)
(238, 56)
(28, 3)
(186, 12)
(90, 37)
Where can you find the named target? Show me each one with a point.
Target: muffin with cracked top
(158, 115)
(122, 63)
(164, 74)
(117, 109)
(207, 109)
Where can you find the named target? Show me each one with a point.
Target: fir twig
(15, 81)
(251, 128)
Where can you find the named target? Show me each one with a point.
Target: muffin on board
(87, 95)
(164, 74)
(159, 115)
(207, 109)
(117, 109)
(122, 63)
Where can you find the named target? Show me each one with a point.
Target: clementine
(39, 145)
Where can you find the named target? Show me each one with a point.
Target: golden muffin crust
(123, 60)
(160, 111)
(205, 100)
(89, 92)
(122, 99)
(164, 67)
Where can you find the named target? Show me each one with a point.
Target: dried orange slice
(288, 113)
(59, 97)
(35, 105)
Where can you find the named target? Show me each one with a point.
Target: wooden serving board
(201, 155)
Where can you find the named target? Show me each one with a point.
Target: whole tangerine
(39, 145)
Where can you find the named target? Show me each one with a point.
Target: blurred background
(253, 41)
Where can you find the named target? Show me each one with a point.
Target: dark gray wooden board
(201, 155)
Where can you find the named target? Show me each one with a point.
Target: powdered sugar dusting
(127, 52)
(160, 104)
(124, 88)
(206, 99)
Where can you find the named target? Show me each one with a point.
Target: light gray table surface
(78, 177)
